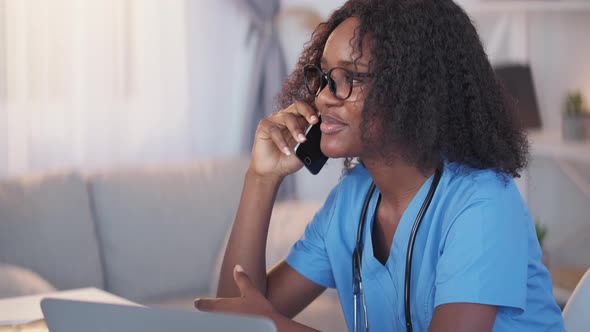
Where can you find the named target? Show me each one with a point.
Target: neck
(397, 181)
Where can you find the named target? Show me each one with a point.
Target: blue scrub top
(476, 244)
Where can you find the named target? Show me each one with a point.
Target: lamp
(518, 83)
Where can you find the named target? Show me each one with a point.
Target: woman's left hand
(251, 302)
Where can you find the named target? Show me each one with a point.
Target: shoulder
(483, 199)
(483, 249)
(466, 185)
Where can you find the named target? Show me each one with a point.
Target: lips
(331, 125)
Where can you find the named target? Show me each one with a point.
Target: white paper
(15, 322)
(27, 309)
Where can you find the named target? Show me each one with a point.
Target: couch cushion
(46, 226)
(160, 228)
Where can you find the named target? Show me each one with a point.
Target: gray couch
(153, 235)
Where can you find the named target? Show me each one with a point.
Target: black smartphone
(309, 152)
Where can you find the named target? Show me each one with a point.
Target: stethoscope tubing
(411, 241)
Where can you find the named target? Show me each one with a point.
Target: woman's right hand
(275, 138)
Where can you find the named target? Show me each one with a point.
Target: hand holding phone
(309, 152)
(275, 138)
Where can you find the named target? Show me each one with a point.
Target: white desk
(26, 310)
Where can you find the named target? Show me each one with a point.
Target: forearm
(285, 324)
(247, 242)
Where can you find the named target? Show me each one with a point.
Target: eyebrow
(346, 63)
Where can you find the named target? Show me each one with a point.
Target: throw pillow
(18, 281)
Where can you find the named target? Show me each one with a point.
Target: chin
(336, 150)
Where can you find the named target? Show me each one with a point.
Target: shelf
(508, 6)
(551, 144)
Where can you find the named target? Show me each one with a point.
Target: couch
(153, 235)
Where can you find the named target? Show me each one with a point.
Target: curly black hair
(434, 94)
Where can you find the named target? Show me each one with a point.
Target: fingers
(306, 111)
(220, 304)
(276, 134)
(287, 127)
(242, 280)
(296, 126)
(230, 304)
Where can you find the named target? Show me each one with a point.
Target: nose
(326, 99)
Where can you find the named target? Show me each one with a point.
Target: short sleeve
(484, 257)
(308, 256)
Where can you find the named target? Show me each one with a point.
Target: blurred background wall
(90, 84)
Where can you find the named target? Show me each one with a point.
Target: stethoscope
(360, 322)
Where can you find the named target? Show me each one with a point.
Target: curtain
(107, 83)
(86, 82)
(219, 70)
(268, 72)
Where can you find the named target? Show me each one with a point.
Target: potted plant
(541, 232)
(575, 119)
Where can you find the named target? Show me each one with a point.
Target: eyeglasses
(339, 80)
(360, 322)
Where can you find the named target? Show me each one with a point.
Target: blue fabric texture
(477, 244)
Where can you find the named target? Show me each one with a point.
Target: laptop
(75, 316)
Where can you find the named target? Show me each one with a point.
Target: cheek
(371, 133)
(356, 111)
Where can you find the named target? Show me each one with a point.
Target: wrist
(265, 180)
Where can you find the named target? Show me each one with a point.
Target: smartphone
(309, 152)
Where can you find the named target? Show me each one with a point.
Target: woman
(405, 88)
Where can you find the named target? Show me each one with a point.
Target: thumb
(242, 280)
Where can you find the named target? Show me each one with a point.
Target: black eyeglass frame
(326, 79)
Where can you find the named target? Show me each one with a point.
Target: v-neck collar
(396, 261)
